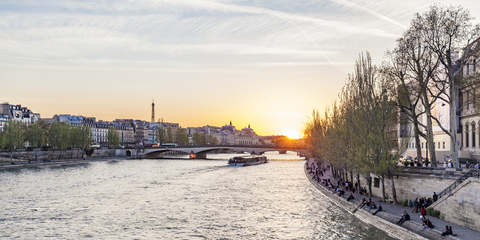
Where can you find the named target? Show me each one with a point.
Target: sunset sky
(266, 63)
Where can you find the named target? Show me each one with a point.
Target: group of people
(341, 186)
(472, 166)
(370, 204)
(426, 223)
(448, 231)
(422, 203)
(316, 171)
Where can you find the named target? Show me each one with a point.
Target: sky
(265, 63)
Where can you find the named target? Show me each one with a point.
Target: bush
(433, 212)
(405, 203)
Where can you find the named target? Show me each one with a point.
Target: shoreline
(389, 228)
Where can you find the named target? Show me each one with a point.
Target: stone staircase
(472, 173)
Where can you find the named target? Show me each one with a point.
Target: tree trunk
(369, 183)
(417, 141)
(394, 193)
(358, 181)
(382, 178)
(453, 126)
(351, 180)
(430, 141)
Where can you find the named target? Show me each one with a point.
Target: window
(443, 145)
(438, 145)
(474, 65)
(466, 136)
(376, 182)
(473, 135)
(422, 145)
(467, 103)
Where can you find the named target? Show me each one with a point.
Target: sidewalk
(393, 213)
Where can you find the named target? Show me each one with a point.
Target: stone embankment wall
(462, 206)
(387, 226)
(415, 182)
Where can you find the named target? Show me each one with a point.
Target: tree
(36, 136)
(211, 140)
(113, 138)
(59, 136)
(2, 140)
(85, 138)
(448, 30)
(14, 136)
(181, 137)
(198, 139)
(161, 135)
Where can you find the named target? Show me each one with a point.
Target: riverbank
(56, 162)
(391, 213)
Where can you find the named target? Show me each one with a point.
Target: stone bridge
(200, 152)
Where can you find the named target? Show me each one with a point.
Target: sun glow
(290, 133)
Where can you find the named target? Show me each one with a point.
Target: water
(171, 199)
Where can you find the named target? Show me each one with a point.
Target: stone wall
(462, 206)
(416, 182)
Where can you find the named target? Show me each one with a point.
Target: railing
(472, 173)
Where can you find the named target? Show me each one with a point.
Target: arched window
(473, 134)
(466, 135)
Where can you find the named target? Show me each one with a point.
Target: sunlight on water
(171, 199)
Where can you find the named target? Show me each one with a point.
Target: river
(171, 199)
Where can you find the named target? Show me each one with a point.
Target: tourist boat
(247, 160)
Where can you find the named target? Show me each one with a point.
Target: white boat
(247, 160)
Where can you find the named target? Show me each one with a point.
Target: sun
(290, 133)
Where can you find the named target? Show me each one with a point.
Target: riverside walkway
(393, 212)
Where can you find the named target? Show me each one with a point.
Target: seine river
(171, 199)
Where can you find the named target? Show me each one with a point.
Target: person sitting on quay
(467, 165)
(426, 223)
(435, 197)
(477, 166)
(367, 204)
(448, 231)
(378, 210)
(362, 203)
(372, 206)
(405, 217)
(350, 197)
(341, 193)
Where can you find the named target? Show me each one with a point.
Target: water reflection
(172, 199)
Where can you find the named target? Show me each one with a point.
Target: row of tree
(180, 137)
(358, 136)
(58, 136)
(168, 135)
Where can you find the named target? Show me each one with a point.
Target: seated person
(341, 193)
(446, 232)
(372, 206)
(429, 224)
(350, 197)
(379, 209)
(362, 203)
(405, 217)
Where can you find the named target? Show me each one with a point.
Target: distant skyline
(263, 63)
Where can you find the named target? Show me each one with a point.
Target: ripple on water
(171, 199)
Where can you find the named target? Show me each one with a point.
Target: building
(467, 119)
(17, 113)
